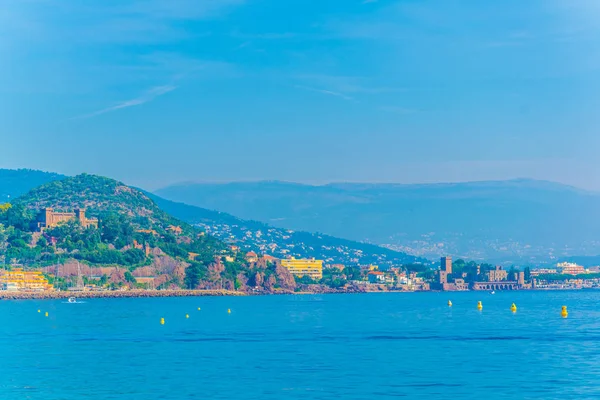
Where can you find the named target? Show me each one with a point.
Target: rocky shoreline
(50, 295)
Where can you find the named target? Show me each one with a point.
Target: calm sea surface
(367, 346)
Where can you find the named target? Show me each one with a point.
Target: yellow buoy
(513, 308)
(229, 311)
(187, 315)
(449, 303)
(46, 314)
(162, 321)
(198, 308)
(39, 311)
(564, 312)
(479, 305)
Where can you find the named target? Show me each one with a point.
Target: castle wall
(50, 218)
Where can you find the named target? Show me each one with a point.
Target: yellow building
(18, 279)
(305, 267)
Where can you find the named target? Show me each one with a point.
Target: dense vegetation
(129, 222)
(566, 277)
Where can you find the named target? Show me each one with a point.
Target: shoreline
(51, 295)
(56, 295)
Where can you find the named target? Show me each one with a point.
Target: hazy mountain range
(516, 221)
(511, 221)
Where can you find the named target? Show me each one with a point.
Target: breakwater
(48, 295)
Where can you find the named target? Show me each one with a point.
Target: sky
(154, 92)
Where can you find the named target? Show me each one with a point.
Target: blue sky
(159, 91)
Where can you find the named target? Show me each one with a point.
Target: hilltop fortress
(50, 218)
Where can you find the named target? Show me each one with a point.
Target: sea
(348, 346)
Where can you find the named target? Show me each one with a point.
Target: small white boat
(492, 292)
(72, 300)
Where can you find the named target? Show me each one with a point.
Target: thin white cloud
(109, 21)
(349, 84)
(138, 101)
(326, 92)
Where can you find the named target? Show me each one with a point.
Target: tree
(458, 264)
(306, 280)
(42, 242)
(352, 274)
(511, 272)
(3, 239)
(133, 256)
(193, 274)
(417, 268)
(129, 277)
(19, 217)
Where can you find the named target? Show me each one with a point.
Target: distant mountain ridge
(519, 220)
(15, 182)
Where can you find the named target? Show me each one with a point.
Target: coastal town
(448, 276)
(130, 247)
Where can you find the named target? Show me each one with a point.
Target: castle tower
(80, 215)
(48, 220)
(446, 265)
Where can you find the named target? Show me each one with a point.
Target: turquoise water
(369, 346)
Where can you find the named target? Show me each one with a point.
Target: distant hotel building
(304, 267)
(543, 271)
(498, 280)
(18, 279)
(569, 268)
(50, 218)
(497, 275)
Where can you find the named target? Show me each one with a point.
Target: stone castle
(50, 218)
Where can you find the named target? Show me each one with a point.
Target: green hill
(100, 196)
(132, 230)
(133, 238)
